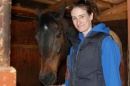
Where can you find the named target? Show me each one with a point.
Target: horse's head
(52, 43)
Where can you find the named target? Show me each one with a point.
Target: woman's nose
(79, 21)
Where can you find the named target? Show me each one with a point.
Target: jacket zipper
(74, 68)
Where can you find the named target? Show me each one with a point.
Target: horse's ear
(60, 13)
(39, 13)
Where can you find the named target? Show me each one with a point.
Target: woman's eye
(73, 18)
(82, 16)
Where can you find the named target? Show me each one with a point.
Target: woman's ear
(91, 16)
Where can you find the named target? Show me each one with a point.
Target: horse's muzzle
(47, 79)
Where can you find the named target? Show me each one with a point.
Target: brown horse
(52, 40)
(53, 30)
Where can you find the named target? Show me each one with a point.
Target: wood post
(7, 73)
(7, 76)
(5, 14)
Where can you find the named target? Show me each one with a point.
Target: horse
(52, 32)
(52, 38)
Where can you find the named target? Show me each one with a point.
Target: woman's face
(81, 19)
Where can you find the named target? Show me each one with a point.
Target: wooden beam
(103, 5)
(59, 4)
(117, 9)
(32, 13)
(23, 12)
(117, 12)
(46, 1)
(110, 17)
(16, 8)
(114, 1)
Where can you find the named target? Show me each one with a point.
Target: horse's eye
(58, 35)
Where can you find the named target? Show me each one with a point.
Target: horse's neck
(71, 30)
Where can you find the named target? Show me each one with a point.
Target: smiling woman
(95, 58)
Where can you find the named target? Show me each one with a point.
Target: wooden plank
(103, 5)
(46, 1)
(128, 13)
(117, 9)
(59, 4)
(113, 1)
(110, 17)
(23, 12)
(16, 8)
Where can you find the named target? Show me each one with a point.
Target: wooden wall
(25, 55)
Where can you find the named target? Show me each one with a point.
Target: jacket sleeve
(66, 83)
(111, 62)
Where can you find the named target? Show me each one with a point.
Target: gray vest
(86, 64)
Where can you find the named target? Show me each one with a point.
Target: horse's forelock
(48, 20)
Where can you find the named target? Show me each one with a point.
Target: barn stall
(25, 56)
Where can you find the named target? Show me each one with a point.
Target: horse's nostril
(47, 79)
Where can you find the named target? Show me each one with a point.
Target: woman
(94, 58)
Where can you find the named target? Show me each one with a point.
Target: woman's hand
(67, 74)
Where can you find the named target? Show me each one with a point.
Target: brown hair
(90, 6)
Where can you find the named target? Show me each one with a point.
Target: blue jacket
(110, 57)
